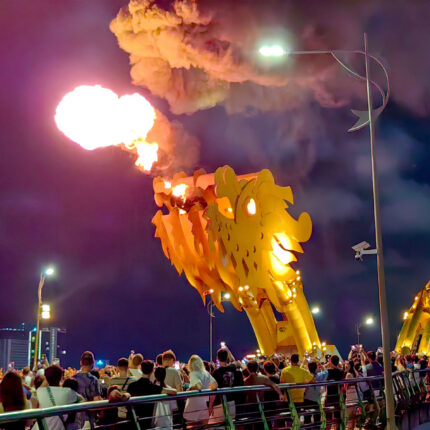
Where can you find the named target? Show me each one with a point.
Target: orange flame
(95, 117)
(179, 191)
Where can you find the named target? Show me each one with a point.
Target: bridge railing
(253, 407)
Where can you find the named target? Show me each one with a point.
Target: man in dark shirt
(144, 387)
(271, 398)
(334, 374)
(227, 375)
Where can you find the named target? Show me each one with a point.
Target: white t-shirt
(202, 379)
(27, 380)
(136, 373)
(55, 396)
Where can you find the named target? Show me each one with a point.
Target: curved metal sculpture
(414, 336)
(233, 234)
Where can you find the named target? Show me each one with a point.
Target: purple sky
(89, 212)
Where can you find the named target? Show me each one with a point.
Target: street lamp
(272, 51)
(315, 310)
(210, 308)
(368, 321)
(366, 118)
(43, 310)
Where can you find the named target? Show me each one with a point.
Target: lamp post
(43, 311)
(368, 321)
(365, 118)
(210, 308)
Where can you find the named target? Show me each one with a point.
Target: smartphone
(354, 347)
(177, 366)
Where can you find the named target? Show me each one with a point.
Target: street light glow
(369, 321)
(46, 308)
(46, 315)
(315, 310)
(272, 51)
(49, 271)
(227, 296)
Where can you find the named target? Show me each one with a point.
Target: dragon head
(254, 232)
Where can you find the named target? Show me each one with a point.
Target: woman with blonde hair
(196, 409)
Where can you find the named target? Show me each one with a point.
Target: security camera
(361, 246)
(361, 249)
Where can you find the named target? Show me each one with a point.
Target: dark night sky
(89, 213)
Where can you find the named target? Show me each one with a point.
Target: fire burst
(95, 117)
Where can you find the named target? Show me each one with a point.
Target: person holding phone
(227, 376)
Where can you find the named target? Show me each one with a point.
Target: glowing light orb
(49, 271)
(251, 207)
(272, 51)
(315, 310)
(95, 117)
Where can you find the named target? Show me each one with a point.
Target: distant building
(13, 347)
(51, 344)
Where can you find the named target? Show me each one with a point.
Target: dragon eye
(251, 207)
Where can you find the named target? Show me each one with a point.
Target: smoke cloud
(197, 54)
(179, 149)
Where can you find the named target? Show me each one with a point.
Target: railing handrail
(105, 404)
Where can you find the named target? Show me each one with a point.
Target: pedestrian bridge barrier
(254, 408)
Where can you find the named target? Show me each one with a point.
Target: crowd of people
(50, 385)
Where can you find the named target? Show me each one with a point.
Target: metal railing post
(42, 424)
(323, 418)
(228, 421)
(342, 407)
(134, 418)
(362, 418)
(293, 411)
(263, 416)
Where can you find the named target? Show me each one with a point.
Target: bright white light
(46, 315)
(49, 271)
(315, 310)
(227, 296)
(369, 321)
(179, 190)
(251, 207)
(46, 308)
(272, 51)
